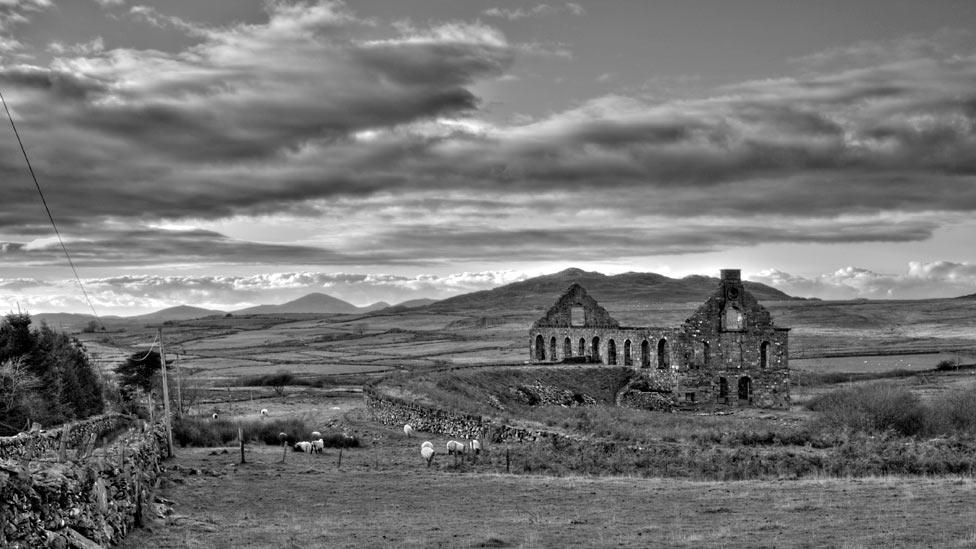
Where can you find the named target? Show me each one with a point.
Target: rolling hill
(311, 303)
(627, 288)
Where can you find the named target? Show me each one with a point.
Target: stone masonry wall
(27, 445)
(95, 501)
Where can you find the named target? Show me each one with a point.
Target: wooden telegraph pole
(179, 387)
(169, 425)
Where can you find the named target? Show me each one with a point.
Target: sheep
(427, 444)
(428, 453)
(455, 448)
(214, 416)
(475, 446)
(316, 434)
(264, 412)
(303, 446)
(318, 446)
(408, 430)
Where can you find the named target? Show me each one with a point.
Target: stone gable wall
(560, 314)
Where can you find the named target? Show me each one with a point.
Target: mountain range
(534, 293)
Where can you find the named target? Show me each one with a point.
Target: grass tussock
(205, 432)
(880, 407)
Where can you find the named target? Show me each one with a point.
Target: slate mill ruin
(728, 353)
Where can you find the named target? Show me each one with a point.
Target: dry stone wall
(36, 443)
(91, 503)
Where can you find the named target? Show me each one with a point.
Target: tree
(17, 386)
(138, 371)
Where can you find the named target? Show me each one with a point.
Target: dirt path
(384, 496)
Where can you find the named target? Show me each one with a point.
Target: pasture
(383, 495)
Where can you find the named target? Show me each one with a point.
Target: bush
(947, 365)
(201, 431)
(873, 408)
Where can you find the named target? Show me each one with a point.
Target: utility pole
(169, 425)
(179, 386)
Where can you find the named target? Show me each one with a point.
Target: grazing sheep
(455, 448)
(214, 416)
(303, 446)
(408, 430)
(475, 446)
(427, 444)
(428, 453)
(264, 412)
(318, 446)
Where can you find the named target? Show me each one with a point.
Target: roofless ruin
(728, 352)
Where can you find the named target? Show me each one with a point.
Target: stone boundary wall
(32, 444)
(395, 411)
(88, 504)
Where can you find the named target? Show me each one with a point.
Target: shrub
(200, 431)
(947, 365)
(872, 408)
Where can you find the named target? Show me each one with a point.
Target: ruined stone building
(728, 352)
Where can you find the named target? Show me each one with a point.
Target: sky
(224, 154)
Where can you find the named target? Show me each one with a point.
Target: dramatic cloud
(375, 138)
(539, 10)
(135, 294)
(922, 280)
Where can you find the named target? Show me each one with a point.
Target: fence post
(240, 436)
(63, 447)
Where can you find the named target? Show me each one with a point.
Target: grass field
(384, 496)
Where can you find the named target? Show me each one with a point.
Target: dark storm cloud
(156, 246)
(318, 105)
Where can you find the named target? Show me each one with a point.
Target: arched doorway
(595, 348)
(552, 349)
(706, 353)
(611, 352)
(723, 390)
(645, 354)
(663, 358)
(764, 355)
(745, 389)
(582, 348)
(540, 348)
(627, 360)
(567, 348)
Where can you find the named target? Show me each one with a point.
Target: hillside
(180, 312)
(311, 303)
(627, 288)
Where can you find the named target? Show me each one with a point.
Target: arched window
(552, 349)
(663, 354)
(627, 360)
(745, 389)
(611, 352)
(540, 348)
(567, 348)
(582, 347)
(595, 348)
(723, 390)
(645, 354)
(764, 355)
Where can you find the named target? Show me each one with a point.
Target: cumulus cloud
(134, 294)
(921, 280)
(538, 10)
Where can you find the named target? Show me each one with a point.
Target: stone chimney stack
(731, 275)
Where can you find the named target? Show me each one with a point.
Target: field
(383, 495)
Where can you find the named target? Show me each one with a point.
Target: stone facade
(728, 352)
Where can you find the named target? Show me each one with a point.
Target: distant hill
(311, 303)
(970, 296)
(180, 312)
(415, 303)
(627, 288)
(378, 306)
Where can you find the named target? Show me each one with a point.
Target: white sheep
(214, 416)
(316, 434)
(428, 453)
(455, 448)
(408, 430)
(303, 446)
(318, 446)
(475, 446)
(427, 444)
(264, 412)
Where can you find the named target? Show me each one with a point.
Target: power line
(47, 209)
